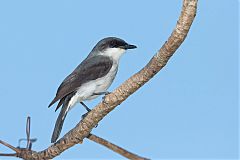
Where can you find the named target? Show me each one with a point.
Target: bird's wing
(90, 69)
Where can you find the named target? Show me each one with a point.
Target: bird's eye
(113, 45)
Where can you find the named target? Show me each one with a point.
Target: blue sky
(188, 110)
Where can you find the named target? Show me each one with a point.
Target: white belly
(87, 90)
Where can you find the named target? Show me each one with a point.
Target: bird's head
(112, 47)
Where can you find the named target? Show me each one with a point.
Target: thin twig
(28, 132)
(9, 146)
(114, 147)
(8, 154)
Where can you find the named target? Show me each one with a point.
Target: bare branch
(114, 147)
(9, 146)
(8, 154)
(17, 150)
(28, 132)
(159, 60)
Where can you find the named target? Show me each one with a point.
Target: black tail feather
(59, 123)
(60, 103)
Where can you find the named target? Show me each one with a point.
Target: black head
(112, 42)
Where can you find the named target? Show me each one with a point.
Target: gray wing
(90, 69)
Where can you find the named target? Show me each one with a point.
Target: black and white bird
(91, 78)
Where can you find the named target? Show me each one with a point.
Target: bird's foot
(85, 114)
(102, 93)
(106, 93)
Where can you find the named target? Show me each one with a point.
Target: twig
(8, 154)
(17, 150)
(114, 147)
(9, 146)
(29, 144)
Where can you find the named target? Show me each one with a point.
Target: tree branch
(17, 150)
(9, 146)
(114, 147)
(159, 60)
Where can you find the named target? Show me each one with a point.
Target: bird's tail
(59, 123)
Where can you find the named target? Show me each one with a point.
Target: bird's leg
(88, 110)
(86, 107)
(102, 93)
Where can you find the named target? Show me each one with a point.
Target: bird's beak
(129, 46)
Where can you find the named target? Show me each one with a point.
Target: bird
(91, 78)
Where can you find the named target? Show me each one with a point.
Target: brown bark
(115, 148)
(159, 60)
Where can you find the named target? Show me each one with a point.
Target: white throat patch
(114, 53)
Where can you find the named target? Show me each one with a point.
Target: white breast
(86, 91)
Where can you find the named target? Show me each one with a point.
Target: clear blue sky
(189, 110)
